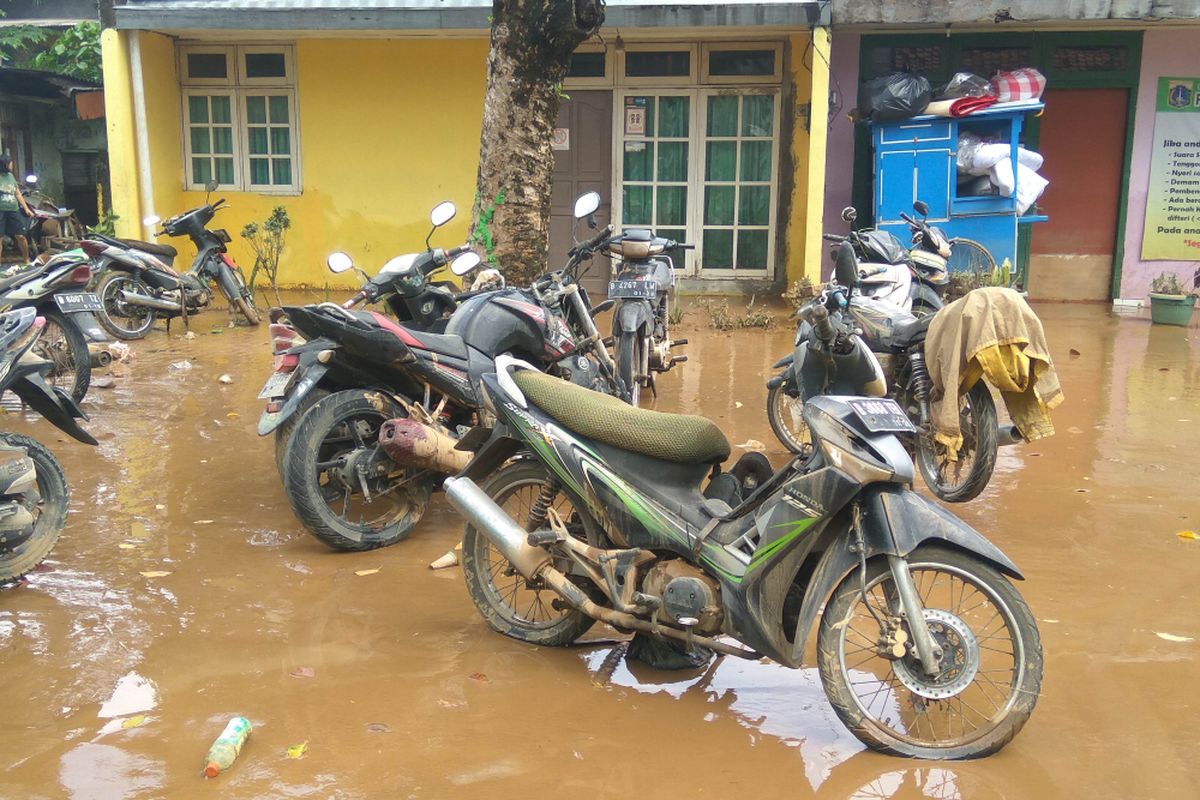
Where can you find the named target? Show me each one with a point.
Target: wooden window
(742, 62)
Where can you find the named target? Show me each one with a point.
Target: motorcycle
(896, 340)
(136, 286)
(597, 511)
(34, 495)
(362, 462)
(56, 287)
(641, 291)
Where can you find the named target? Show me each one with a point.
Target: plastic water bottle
(227, 746)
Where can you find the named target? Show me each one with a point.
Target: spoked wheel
(966, 476)
(629, 359)
(64, 346)
(508, 603)
(341, 484)
(48, 505)
(990, 667)
(121, 319)
(783, 412)
(969, 256)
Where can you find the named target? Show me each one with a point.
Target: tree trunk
(532, 42)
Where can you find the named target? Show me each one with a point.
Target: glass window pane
(260, 171)
(639, 161)
(718, 205)
(672, 161)
(636, 203)
(673, 116)
(676, 254)
(741, 62)
(221, 110)
(756, 161)
(672, 206)
(222, 139)
(658, 63)
(754, 205)
(281, 171)
(586, 65)
(257, 140)
(721, 164)
(758, 115)
(207, 65)
(279, 109)
(197, 109)
(647, 104)
(718, 249)
(201, 170)
(256, 109)
(224, 170)
(200, 141)
(752, 250)
(722, 115)
(281, 141)
(265, 65)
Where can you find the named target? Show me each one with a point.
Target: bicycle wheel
(969, 256)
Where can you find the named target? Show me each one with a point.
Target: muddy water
(400, 691)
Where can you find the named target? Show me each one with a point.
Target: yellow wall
(810, 75)
(387, 130)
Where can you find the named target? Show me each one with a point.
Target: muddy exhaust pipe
(1009, 434)
(99, 355)
(535, 563)
(136, 299)
(412, 443)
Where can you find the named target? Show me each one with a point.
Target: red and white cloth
(1018, 85)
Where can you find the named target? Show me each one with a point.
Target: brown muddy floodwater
(400, 691)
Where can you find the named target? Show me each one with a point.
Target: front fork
(592, 338)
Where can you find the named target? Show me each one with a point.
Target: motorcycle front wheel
(990, 668)
(965, 477)
(123, 320)
(783, 412)
(65, 347)
(629, 359)
(49, 509)
(326, 491)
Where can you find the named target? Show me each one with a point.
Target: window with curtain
(240, 117)
(654, 167)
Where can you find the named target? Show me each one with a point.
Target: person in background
(13, 209)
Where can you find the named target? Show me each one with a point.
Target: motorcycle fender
(895, 521)
(500, 447)
(632, 316)
(269, 420)
(54, 404)
(86, 321)
(225, 278)
(785, 361)
(924, 295)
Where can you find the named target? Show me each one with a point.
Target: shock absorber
(922, 384)
(537, 512)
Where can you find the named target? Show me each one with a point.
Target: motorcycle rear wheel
(65, 347)
(628, 359)
(50, 510)
(123, 320)
(283, 434)
(949, 480)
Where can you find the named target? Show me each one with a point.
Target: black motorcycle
(896, 340)
(136, 283)
(33, 489)
(593, 510)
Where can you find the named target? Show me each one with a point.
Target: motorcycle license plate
(640, 290)
(276, 385)
(72, 302)
(882, 416)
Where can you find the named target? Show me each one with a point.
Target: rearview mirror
(211, 186)
(921, 208)
(845, 269)
(442, 213)
(151, 220)
(849, 214)
(339, 262)
(465, 263)
(587, 204)
(31, 178)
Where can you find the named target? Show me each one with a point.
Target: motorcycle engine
(583, 371)
(687, 594)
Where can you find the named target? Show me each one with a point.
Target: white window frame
(268, 92)
(239, 88)
(707, 48)
(657, 80)
(594, 83)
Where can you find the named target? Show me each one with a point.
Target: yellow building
(705, 120)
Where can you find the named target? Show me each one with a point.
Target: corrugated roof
(446, 14)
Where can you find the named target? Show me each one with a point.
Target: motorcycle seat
(908, 333)
(442, 344)
(160, 250)
(680, 438)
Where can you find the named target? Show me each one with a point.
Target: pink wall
(839, 150)
(1165, 53)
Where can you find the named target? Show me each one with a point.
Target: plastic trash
(897, 96)
(227, 746)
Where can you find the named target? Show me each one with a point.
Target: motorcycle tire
(908, 695)
(628, 358)
(335, 427)
(72, 367)
(791, 432)
(513, 613)
(981, 435)
(234, 287)
(283, 433)
(50, 509)
(134, 326)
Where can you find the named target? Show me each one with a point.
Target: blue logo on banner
(1180, 96)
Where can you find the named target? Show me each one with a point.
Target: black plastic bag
(965, 84)
(899, 95)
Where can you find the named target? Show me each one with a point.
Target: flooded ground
(400, 691)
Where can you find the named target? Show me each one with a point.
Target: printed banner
(1173, 200)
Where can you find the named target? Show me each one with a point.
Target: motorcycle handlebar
(455, 252)
(869, 273)
(822, 327)
(833, 237)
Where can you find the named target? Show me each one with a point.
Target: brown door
(583, 163)
(1083, 141)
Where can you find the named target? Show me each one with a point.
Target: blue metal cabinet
(916, 159)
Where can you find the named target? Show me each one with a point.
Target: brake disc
(959, 663)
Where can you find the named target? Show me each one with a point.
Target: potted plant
(1169, 304)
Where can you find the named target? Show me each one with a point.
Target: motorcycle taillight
(284, 337)
(92, 247)
(81, 275)
(286, 362)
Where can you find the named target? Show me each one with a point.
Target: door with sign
(582, 163)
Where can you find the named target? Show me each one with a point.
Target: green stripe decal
(797, 528)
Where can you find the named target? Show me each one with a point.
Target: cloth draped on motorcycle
(992, 334)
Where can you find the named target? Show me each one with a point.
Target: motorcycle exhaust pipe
(135, 299)
(409, 442)
(99, 355)
(507, 536)
(1009, 434)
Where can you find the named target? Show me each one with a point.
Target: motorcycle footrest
(678, 343)
(541, 538)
